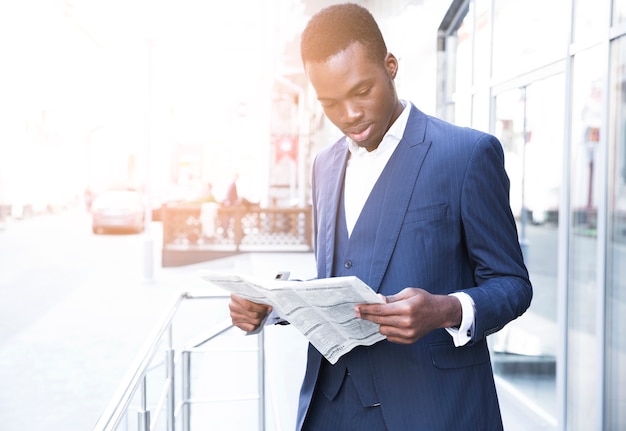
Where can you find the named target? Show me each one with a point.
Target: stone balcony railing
(199, 232)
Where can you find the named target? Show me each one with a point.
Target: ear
(391, 64)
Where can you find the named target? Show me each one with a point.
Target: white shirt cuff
(274, 319)
(463, 334)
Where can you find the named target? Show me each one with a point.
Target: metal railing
(167, 405)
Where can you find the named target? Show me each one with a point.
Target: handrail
(114, 412)
(222, 327)
(135, 379)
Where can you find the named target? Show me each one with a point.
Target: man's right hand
(247, 315)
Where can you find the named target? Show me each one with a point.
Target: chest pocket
(425, 214)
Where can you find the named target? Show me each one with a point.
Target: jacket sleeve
(503, 290)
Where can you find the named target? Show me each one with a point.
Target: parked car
(119, 211)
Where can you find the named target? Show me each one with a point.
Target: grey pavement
(58, 372)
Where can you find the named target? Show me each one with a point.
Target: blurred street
(75, 311)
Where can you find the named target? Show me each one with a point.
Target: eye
(364, 92)
(327, 103)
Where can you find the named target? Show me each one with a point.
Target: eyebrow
(356, 88)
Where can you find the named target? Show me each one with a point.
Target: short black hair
(334, 28)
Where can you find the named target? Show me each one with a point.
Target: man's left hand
(411, 314)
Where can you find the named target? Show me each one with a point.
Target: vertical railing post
(170, 373)
(238, 225)
(143, 415)
(186, 390)
(308, 230)
(261, 373)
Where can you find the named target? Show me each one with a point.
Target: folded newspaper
(322, 309)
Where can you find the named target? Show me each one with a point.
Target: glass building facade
(549, 80)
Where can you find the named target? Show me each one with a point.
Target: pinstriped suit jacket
(446, 226)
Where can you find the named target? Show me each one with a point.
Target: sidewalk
(59, 372)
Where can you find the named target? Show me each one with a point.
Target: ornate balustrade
(194, 233)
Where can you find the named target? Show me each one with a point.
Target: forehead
(342, 71)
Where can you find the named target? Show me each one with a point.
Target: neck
(397, 110)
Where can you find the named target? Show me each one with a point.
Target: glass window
(584, 192)
(464, 53)
(589, 20)
(529, 123)
(510, 107)
(619, 11)
(480, 111)
(482, 42)
(615, 395)
(463, 72)
(528, 34)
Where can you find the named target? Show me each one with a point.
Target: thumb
(393, 298)
(403, 294)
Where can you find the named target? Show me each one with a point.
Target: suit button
(347, 264)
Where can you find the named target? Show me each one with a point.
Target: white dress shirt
(362, 171)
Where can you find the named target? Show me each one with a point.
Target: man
(418, 209)
(232, 196)
(231, 199)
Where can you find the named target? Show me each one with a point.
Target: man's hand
(247, 315)
(411, 314)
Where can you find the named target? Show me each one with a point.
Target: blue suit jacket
(446, 226)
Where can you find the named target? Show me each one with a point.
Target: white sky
(83, 64)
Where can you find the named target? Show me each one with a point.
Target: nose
(352, 112)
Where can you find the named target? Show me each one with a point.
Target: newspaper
(322, 309)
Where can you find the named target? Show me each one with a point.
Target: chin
(369, 146)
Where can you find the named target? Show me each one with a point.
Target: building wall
(547, 79)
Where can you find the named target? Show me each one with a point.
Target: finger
(380, 311)
(245, 314)
(405, 293)
(246, 326)
(254, 315)
(246, 320)
(245, 304)
(406, 335)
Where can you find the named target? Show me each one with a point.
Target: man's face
(357, 94)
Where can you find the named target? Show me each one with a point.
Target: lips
(360, 133)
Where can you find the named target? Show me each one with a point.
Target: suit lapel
(335, 187)
(397, 182)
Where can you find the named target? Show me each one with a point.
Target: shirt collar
(391, 138)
